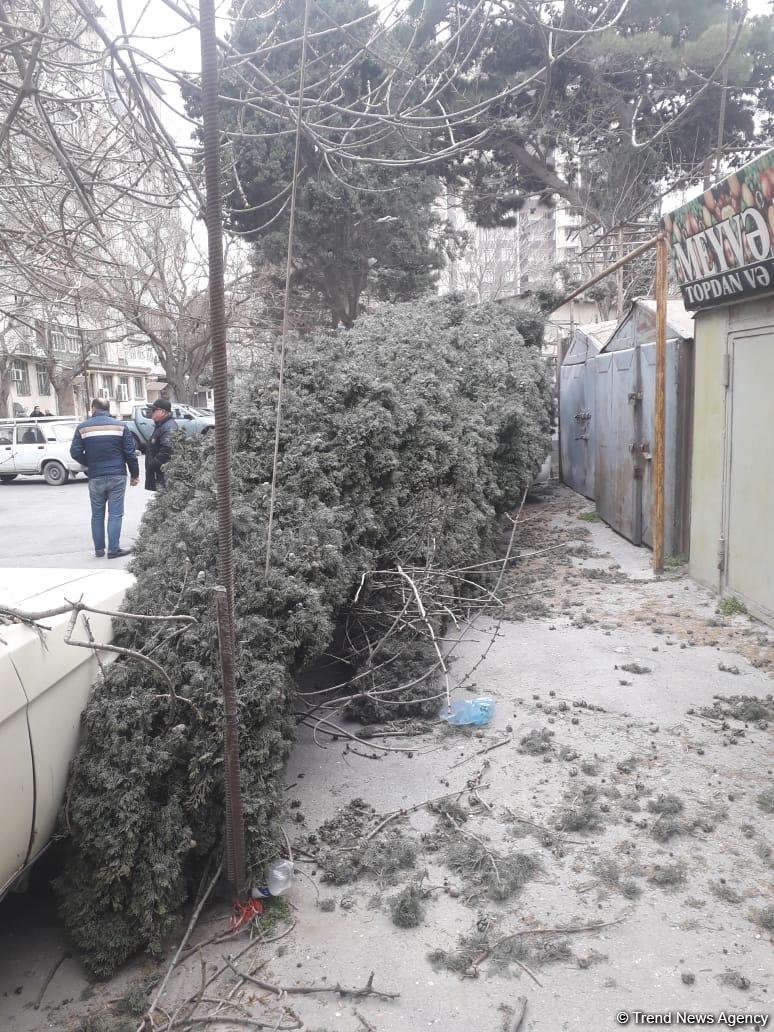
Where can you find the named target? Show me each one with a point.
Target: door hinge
(726, 370)
(721, 553)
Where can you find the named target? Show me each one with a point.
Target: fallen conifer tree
(402, 440)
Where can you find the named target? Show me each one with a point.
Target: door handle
(41, 447)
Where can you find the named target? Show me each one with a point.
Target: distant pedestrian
(159, 450)
(106, 448)
(37, 411)
(48, 412)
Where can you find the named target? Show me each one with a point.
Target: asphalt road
(50, 526)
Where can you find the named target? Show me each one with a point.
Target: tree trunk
(64, 399)
(176, 385)
(5, 390)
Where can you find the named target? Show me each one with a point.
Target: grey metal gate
(618, 459)
(624, 396)
(577, 427)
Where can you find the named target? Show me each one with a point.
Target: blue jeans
(108, 491)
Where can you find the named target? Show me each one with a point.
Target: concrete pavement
(50, 526)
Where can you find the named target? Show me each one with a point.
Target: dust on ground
(604, 844)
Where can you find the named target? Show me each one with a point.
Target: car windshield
(63, 431)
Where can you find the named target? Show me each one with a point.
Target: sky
(161, 32)
(168, 40)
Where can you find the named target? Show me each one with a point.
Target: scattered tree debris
(582, 812)
(669, 876)
(735, 979)
(765, 918)
(747, 708)
(406, 908)
(537, 742)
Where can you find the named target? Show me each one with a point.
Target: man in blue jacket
(106, 448)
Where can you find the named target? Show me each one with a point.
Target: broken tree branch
(481, 752)
(571, 930)
(147, 1021)
(309, 990)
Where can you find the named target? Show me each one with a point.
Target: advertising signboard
(722, 242)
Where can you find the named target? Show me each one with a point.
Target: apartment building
(508, 261)
(60, 367)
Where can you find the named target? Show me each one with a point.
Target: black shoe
(119, 553)
(100, 555)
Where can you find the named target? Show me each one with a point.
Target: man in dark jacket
(106, 448)
(159, 450)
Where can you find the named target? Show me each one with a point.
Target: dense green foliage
(623, 115)
(402, 440)
(360, 229)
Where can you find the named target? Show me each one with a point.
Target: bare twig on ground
(147, 1021)
(552, 833)
(527, 970)
(482, 752)
(510, 543)
(366, 1023)
(49, 978)
(407, 810)
(242, 1022)
(310, 990)
(571, 930)
(518, 1017)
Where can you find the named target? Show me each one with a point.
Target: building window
(73, 342)
(139, 393)
(123, 388)
(57, 340)
(44, 384)
(21, 377)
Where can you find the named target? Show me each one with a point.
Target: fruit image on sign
(722, 242)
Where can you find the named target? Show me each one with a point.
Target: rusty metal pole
(611, 268)
(235, 834)
(659, 414)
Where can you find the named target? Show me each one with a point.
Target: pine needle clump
(402, 441)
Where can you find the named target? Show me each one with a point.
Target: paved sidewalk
(635, 807)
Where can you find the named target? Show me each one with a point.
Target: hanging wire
(288, 271)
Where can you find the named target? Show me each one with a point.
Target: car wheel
(6, 478)
(55, 474)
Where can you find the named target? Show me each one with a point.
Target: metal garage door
(575, 419)
(618, 466)
(750, 473)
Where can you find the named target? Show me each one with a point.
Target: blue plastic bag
(469, 711)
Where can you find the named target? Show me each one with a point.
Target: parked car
(45, 686)
(190, 420)
(35, 446)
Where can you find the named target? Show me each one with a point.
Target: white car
(45, 685)
(31, 447)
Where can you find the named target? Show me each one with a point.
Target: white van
(34, 447)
